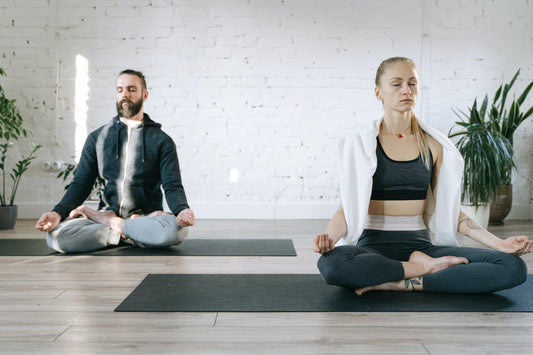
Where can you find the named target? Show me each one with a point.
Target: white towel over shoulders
(357, 164)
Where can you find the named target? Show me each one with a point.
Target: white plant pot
(480, 215)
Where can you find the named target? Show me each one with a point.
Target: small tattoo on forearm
(470, 223)
(412, 282)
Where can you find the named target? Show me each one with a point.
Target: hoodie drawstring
(118, 140)
(142, 143)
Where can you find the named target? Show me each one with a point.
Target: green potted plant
(505, 121)
(11, 129)
(487, 155)
(98, 186)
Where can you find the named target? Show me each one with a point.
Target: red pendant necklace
(400, 135)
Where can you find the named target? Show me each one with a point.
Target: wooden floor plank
(468, 348)
(105, 318)
(284, 334)
(374, 319)
(240, 348)
(34, 333)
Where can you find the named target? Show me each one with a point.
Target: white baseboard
(204, 211)
(521, 212)
(30, 211)
(303, 211)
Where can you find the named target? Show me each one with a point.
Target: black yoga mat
(24, 247)
(190, 247)
(303, 293)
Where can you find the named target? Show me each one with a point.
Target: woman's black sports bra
(400, 180)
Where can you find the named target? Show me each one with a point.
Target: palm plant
(487, 154)
(506, 121)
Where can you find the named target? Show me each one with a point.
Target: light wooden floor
(64, 304)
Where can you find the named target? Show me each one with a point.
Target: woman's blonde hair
(418, 132)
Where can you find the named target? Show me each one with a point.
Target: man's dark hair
(137, 74)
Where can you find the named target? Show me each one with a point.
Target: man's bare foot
(116, 224)
(429, 265)
(157, 213)
(93, 215)
(153, 214)
(108, 218)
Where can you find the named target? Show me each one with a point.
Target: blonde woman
(400, 184)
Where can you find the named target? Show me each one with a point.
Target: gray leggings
(82, 235)
(376, 259)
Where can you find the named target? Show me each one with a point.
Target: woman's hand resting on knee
(322, 243)
(515, 245)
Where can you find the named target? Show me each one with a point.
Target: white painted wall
(265, 88)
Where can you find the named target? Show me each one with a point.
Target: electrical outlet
(53, 165)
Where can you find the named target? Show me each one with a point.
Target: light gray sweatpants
(82, 235)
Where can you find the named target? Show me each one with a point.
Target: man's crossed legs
(87, 230)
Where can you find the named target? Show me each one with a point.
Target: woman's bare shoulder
(435, 147)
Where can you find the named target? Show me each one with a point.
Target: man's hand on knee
(48, 221)
(185, 218)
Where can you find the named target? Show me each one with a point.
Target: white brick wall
(265, 87)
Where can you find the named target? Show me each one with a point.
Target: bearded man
(134, 158)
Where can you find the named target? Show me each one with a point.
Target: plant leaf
(483, 108)
(524, 94)
(497, 94)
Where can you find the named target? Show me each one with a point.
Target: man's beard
(132, 109)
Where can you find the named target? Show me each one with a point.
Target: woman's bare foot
(415, 284)
(389, 286)
(429, 265)
(421, 264)
(108, 218)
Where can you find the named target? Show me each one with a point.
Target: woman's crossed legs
(429, 268)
